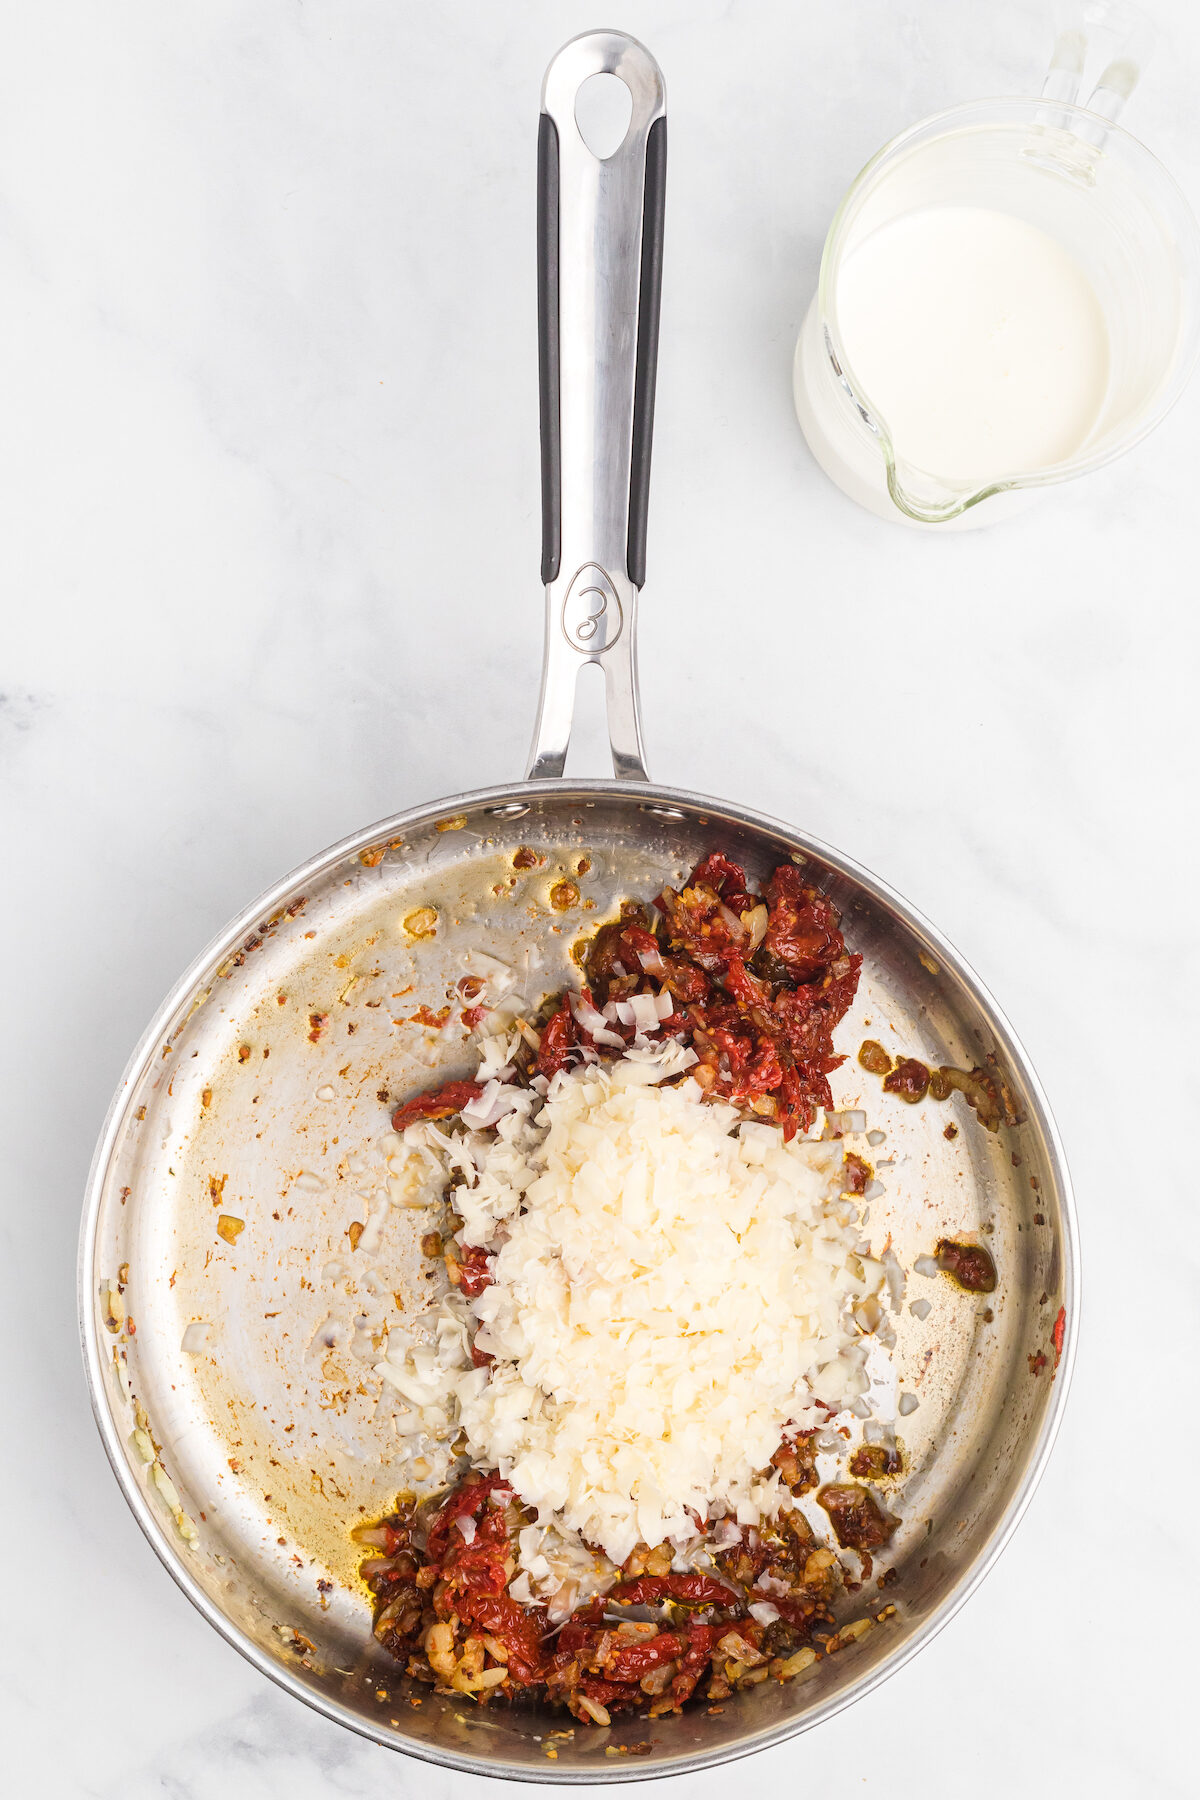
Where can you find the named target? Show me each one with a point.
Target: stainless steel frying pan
(230, 1317)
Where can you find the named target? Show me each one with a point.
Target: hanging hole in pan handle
(603, 110)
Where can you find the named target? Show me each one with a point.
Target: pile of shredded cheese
(673, 1287)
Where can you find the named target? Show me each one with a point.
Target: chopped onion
(467, 1526)
(645, 1012)
(921, 1309)
(652, 962)
(664, 1005)
(762, 1612)
(497, 1099)
(908, 1404)
(195, 1337)
(165, 1485)
(593, 1023)
(925, 1265)
(894, 1276)
(755, 922)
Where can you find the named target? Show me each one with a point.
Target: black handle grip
(649, 299)
(548, 381)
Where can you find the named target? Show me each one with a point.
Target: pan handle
(600, 224)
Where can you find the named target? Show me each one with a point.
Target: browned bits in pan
(426, 1016)
(858, 1521)
(797, 1463)
(986, 1092)
(230, 1228)
(909, 1081)
(873, 1462)
(525, 858)
(422, 923)
(856, 1174)
(564, 895)
(979, 1089)
(970, 1265)
(874, 1058)
(354, 1231)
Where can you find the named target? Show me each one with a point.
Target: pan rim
(150, 1523)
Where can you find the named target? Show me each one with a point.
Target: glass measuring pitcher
(1069, 243)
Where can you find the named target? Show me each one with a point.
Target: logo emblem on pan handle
(591, 611)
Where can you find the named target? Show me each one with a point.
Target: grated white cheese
(672, 1288)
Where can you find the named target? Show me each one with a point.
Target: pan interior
(247, 1142)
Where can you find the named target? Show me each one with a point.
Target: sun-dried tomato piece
(726, 878)
(694, 1661)
(629, 1662)
(466, 1501)
(559, 1038)
(747, 989)
(470, 1270)
(802, 924)
(518, 1630)
(439, 1103)
(689, 1590)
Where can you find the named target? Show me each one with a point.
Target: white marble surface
(268, 467)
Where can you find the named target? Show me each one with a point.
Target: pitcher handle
(1129, 39)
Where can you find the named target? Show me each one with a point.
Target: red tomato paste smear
(1058, 1334)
